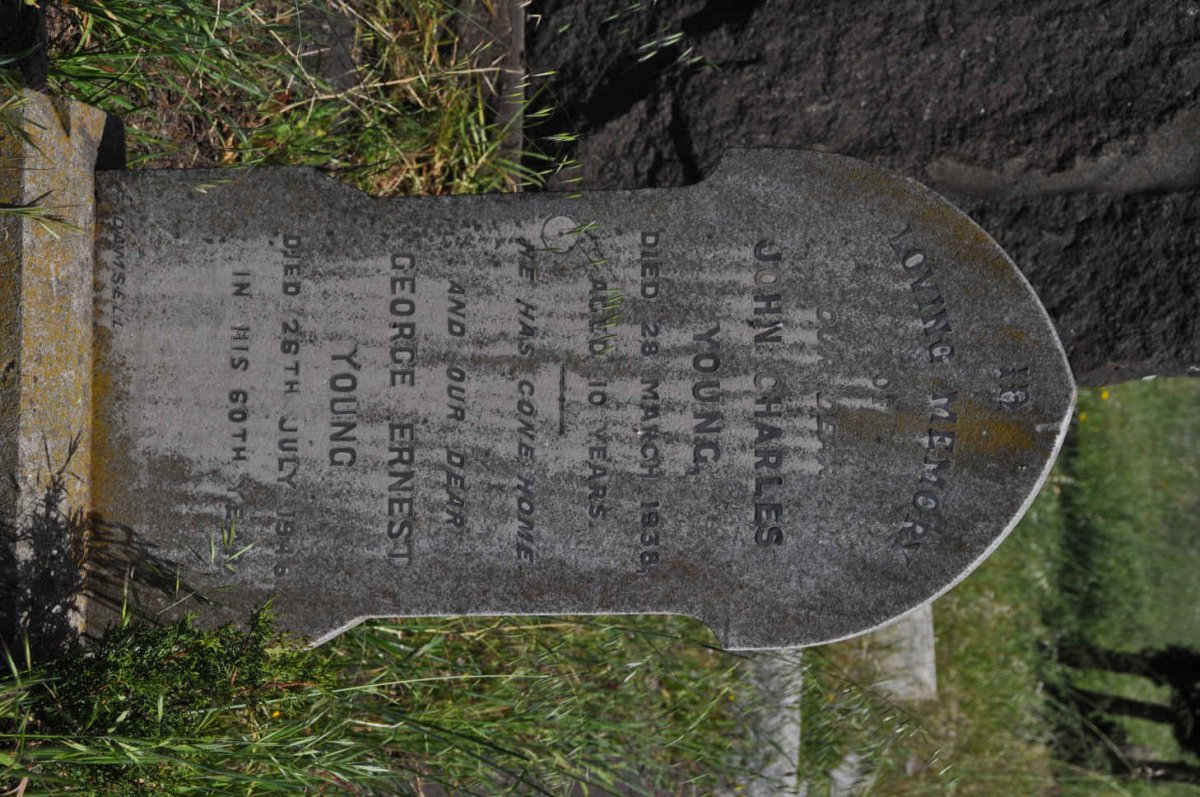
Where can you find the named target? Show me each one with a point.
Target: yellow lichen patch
(1017, 336)
(980, 431)
(109, 452)
(860, 425)
(56, 283)
(995, 434)
(937, 223)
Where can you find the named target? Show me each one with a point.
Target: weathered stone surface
(905, 657)
(1070, 131)
(45, 352)
(795, 401)
(772, 713)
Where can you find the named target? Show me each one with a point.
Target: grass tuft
(240, 84)
(478, 706)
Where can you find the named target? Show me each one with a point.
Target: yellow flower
(1104, 394)
(1082, 416)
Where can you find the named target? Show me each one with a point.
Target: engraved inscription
(931, 306)
(454, 488)
(401, 490)
(118, 271)
(402, 482)
(708, 418)
(525, 498)
(648, 430)
(928, 500)
(650, 456)
(1014, 388)
(343, 409)
(598, 464)
(237, 412)
(769, 399)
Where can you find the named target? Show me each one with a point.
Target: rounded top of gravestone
(944, 399)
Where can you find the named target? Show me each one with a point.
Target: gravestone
(794, 401)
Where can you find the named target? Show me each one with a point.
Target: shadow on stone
(122, 568)
(61, 564)
(111, 154)
(23, 39)
(41, 550)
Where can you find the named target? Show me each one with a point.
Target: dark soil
(23, 39)
(1069, 130)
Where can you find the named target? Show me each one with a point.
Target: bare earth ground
(1069, 130)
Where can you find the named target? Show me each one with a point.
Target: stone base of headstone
(905, 657)
(776, 678)
(48, 149)
(849, 779)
